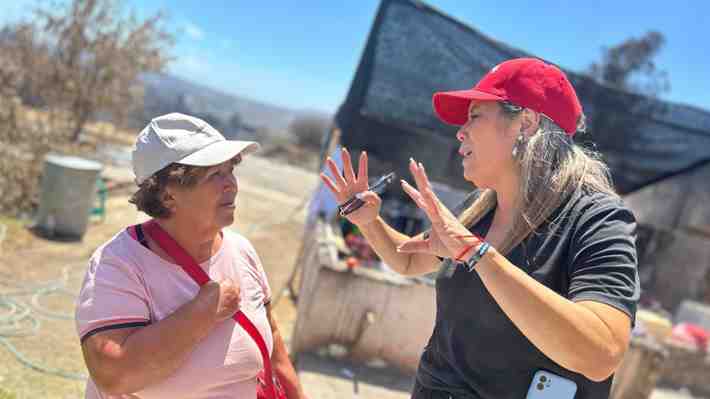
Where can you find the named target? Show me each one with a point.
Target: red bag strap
(132, 232)
(190, 266)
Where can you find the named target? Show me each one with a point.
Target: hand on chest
(174, 288)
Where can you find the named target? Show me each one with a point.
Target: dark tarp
(414, 50)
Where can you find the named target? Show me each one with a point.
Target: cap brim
(452, 106)
(220, 151)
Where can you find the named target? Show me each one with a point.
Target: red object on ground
(351, 262)
(360, 247)
(691, 333)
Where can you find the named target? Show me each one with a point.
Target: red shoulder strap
(190, 266)
(132, 232)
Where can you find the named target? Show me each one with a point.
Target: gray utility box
(68, 195)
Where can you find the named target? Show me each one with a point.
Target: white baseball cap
(183, 139)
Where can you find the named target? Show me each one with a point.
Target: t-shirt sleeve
(603, 257)
(111, 296)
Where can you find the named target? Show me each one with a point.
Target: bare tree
(75, 61)
(96, 56)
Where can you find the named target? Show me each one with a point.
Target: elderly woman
(147, 329)
(537, 278)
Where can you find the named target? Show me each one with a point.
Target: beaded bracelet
(471, 262)
(479, 240)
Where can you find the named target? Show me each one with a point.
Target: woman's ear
(529, 122)
(168, 199)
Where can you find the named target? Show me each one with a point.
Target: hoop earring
(517, 145)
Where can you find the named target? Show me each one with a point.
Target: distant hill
(235, 116)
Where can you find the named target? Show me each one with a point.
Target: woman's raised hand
(448, 237)
(346, 185)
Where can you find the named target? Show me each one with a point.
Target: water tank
(67, 195)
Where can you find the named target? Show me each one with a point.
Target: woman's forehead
(477, 105)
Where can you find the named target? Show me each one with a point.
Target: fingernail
(359, 195)
(411, 159)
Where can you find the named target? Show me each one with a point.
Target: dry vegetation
(306, 134)
(75, 61)
(25, 141)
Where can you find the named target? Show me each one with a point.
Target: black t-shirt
(586, 251)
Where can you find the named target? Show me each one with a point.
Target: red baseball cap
(527, 82)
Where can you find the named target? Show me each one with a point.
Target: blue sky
(302, 54)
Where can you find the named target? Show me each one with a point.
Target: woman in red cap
(537, 277)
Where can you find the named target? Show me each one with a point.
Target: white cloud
(194, 32)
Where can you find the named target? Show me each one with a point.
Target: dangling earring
(517, 145)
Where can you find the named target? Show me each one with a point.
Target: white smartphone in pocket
(546, 385)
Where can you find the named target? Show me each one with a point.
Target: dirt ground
(39, 264)
(270, 212)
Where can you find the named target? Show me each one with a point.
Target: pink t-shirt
(127, 284)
